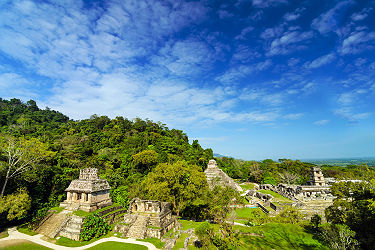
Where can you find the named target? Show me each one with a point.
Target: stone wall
(216, 176)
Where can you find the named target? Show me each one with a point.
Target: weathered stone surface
(53, 224)
(216, 176)
(316, 177)
(88, 193)
(147, 218)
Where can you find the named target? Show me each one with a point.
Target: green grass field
(111, 245)
(24, 229)
(247, 186)
(24, 246)
(278, 236)
(57, 209)
(277, 197)
(156, 242)
(244, 213)
(4, 234)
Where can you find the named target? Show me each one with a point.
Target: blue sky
(251, 79)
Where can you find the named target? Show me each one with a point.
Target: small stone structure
(316, 177)
(216, 176)
(87, 193)
(147, 218)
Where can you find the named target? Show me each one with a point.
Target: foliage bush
(289, 215)
(94, 226)
(121, 196)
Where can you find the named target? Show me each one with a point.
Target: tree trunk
(3, 189)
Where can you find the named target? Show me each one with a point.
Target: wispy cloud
(268, 3)
(357, 42)
(359, 16)
(289, 42)
(328, 21)
(321, 122)
(295, 116)
(320, 61)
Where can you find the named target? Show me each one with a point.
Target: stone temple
(87, 193)
(147, 218)
(216, 176)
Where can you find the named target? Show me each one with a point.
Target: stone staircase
(73, 228)
(216, 176)
(53, 224)
(138, 229)
(73, 207)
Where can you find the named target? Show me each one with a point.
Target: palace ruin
(147, 218)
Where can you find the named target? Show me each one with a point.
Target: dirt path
(16, 237)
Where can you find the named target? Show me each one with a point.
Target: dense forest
(42, 151)
(123, 150)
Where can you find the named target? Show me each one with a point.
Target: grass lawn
(278, 236)
(244, 213)
(63, 241)
(156, 242)
(81, 213)
(180, 241)
(23, 245)
(186, 224)
(24, 229)
(4, 234)
(57, 209)
(111, 245)
(277, 197)
(247, 186)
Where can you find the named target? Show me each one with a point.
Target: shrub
(289, 215)
(94, 226)
(121, 196)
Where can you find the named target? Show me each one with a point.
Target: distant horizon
(253, 79)
(304, 159)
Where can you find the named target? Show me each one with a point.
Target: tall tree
(21, 156)
(178, 183)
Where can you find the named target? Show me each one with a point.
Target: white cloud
(295, 116)
(321, 122)
(357, 42)
(327, 21)
(349, 114)
(268, 3)
(289, 42)
(320, 61)
(359, 16)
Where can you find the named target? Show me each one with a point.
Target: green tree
(94, 226)
(145, 160)
(16, 204)
(339, 237)
(22, 155)
(121, 196)
(178, 183)
(354, 207)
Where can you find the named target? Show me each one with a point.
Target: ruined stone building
(216, 176)
(316, 177)
(87, 193)
(147, 218)
(312, 198)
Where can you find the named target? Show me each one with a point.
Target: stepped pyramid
(216, 176)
